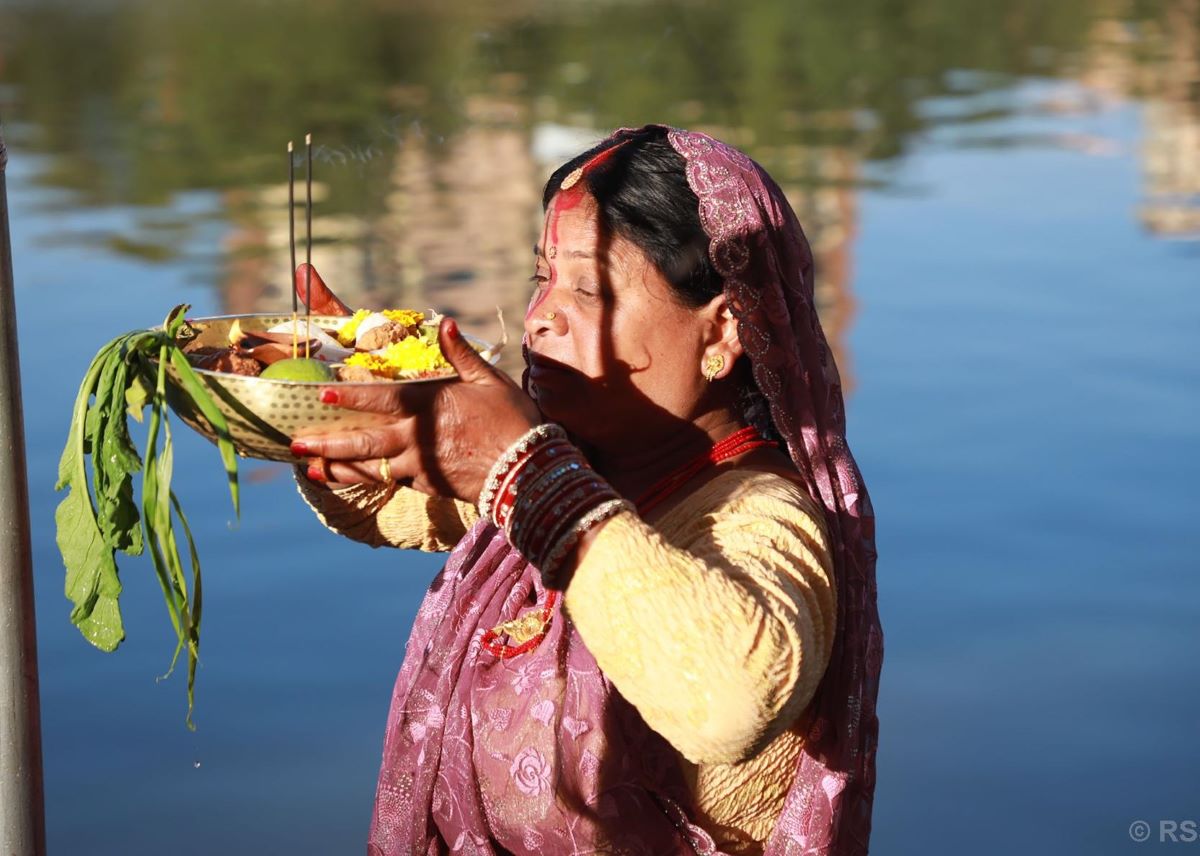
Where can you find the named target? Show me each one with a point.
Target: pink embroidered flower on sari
(531, 772)
(525, 679)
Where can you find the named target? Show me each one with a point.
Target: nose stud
(550, 316)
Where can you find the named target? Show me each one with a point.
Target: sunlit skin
(563, 203)
(619, 365)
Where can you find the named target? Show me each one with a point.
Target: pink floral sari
(539, 754)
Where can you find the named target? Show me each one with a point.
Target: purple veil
(539, 754)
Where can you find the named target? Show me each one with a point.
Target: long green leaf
(72, 455)
(92, 583)
(99, 515)
(190, 639)
(166, 534)
(203, 400)
(197, 603)
(96, 422)
(150, 491)
(158, 513)
(119, 459)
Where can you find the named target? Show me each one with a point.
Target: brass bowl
(264, 414)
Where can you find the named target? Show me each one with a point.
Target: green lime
(313, 371)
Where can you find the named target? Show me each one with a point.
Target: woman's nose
(543, 318)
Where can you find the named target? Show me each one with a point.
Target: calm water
(1005, 202)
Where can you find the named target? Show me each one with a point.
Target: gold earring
(713, 366)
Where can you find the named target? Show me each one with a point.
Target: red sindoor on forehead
(572, 178)
(570, 195)
(572, 189)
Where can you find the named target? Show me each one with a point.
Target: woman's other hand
(443, 437)
(316, 294)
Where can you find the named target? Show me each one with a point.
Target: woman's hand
(443, 437)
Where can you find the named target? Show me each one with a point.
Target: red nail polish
(315, 474)
(452, 329)
(329, 396)
(299, 448)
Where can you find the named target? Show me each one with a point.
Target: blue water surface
(1023, 350)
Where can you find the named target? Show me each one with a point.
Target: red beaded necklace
(535, 625)
(735, 444)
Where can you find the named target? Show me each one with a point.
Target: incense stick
(292, 245)
(308, 247)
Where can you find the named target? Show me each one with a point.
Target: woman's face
(613, 353)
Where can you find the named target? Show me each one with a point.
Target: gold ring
(385, 470)
(550, 316)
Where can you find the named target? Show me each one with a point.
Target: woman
(656, 631)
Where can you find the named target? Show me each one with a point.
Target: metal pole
(22, 816)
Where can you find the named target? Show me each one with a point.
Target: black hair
(642, 194)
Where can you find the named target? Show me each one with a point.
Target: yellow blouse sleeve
(717, 626)
(389, 515)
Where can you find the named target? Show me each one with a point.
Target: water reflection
(439, 121)
(460, 217)
(1169, 87)
(1007, 403)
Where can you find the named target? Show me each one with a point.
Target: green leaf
(190, 637)
(175, 320)
(158, 501)
(96, 422)
(136, 396)
(150, 492)
(100, 515)
(197, 602)
(72, 456)
(92, 584)
(118, 459)
(204, 401)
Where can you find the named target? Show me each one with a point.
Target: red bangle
(552, 506)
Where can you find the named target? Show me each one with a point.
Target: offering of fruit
(249, 383)
(391, 344)
(299, 369)
(244, 383)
